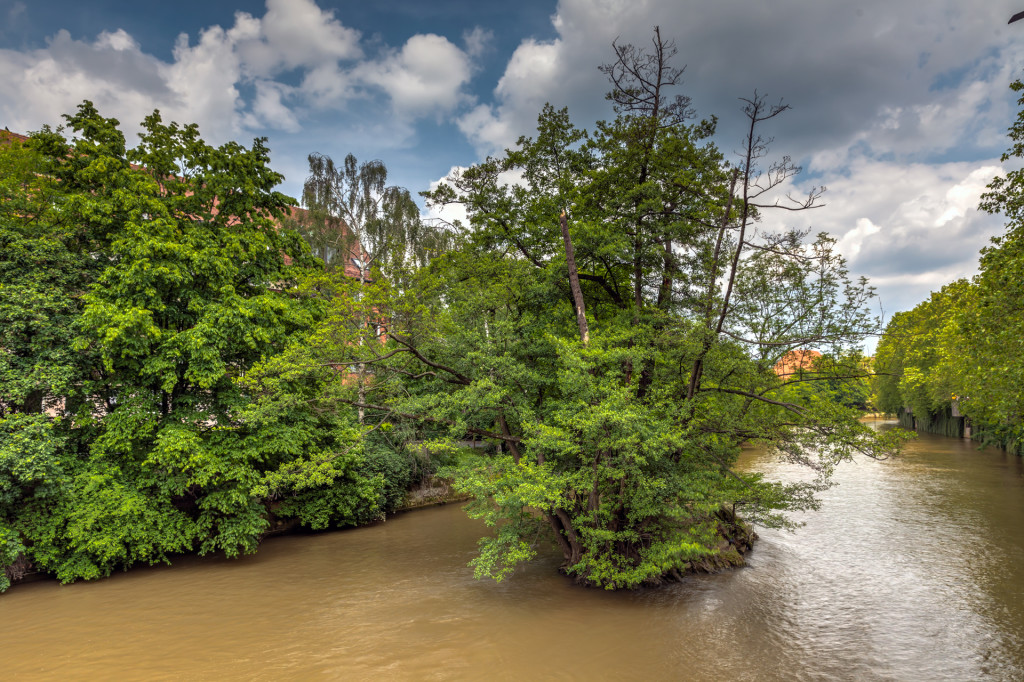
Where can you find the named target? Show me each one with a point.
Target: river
(912, 570)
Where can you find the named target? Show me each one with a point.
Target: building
(796, 362)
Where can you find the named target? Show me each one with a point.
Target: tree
(921, 358)
(354, 216)
(40, 269)
(620, 395)
(158, 279)
(844, 381)
(964, 342)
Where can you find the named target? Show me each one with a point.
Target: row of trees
(966, 342)
(610, 321)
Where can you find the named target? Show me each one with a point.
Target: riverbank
(430, 491)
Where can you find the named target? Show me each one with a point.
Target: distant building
(796, 361)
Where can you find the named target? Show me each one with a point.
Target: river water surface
(912, 570)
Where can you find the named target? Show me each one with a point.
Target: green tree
(43, 270)
(994, 327)
(844, 381)
(353, 217)
(620, 395)
(157, 281)
(922, 360)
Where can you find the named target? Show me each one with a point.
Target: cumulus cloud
(908, 227)
(239, 78)
(425, 76)
(845, 68)
(269, 110)
(294, 34)
(111, 71)
(477, 41)
(203, 78)
(533, 76)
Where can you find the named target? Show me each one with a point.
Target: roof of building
(796, 361)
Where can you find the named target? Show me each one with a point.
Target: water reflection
(912, 570)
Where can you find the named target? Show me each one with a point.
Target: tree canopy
(180, 372)
(611, 319)
(964, 343)
(138, 288)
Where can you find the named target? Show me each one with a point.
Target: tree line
(176, 371)
(963, 346)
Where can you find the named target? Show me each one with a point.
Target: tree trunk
(574, 282)
(361, 375)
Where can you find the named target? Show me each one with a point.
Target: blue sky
(899, 108)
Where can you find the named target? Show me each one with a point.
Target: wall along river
(912, 570)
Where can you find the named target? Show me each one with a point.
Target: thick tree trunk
(572, 539)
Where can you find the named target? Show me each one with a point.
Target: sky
(899, 108)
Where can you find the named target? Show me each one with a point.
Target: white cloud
(111, 71)
(203, 78)
(851, 243)
(269, 110)
(118, 41)
(294, 34)
(489, 131)
(848, 69)
(328, 86)
(909, 227)
(533, 76)
(426, 76)
(209, 80)
(477, 41)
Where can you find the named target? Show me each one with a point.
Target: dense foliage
(179, 373)
(964, 344)
(611, 318)
(138, 287)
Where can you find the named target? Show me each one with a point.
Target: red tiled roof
(796, 361)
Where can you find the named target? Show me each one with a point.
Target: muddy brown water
(913, 570)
